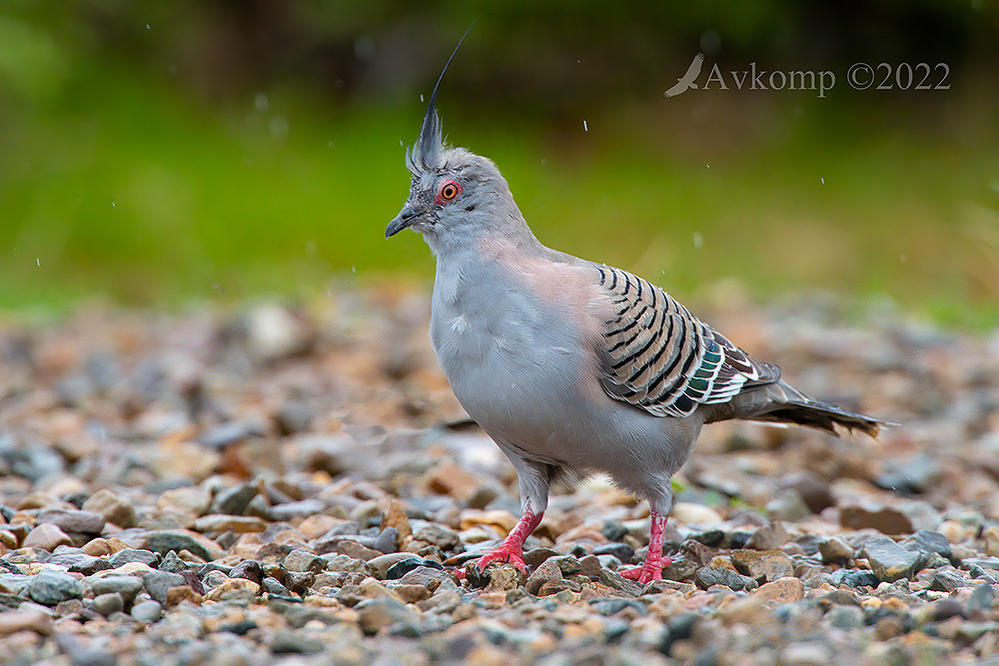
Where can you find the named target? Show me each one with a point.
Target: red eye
(448, 190)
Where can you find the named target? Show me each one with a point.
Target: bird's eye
(448, 190)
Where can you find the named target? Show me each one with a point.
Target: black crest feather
(427, 154)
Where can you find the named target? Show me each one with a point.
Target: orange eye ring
(448, 190)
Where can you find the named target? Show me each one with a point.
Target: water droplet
(585, 128)
(114, 205)
(708, 165)
(38, 262)
(353, 269)
(822, 180)
(147, 26)
(421, 98)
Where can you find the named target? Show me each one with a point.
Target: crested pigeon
(572, 366)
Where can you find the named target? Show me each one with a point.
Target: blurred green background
(151, 153)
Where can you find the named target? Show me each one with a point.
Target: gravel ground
(296, 484)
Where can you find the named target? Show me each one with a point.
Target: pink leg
(512, 548)
(654, 560)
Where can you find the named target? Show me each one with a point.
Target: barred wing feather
(659, 357)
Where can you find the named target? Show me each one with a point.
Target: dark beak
(409, 215)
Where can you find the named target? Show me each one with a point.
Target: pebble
(46, 536)
(51, 587)
(708, 576)
(208, 505)
(111, 507)
(889, 561)
(783, 590)
(147, 612)
(762, 565)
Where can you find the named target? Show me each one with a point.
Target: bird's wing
(656, 355)
(694, 69)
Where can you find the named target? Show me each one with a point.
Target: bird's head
(454, 194)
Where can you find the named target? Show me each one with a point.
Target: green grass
(130, 192)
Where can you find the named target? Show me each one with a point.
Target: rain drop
(38, 262)
(698, 240)
(822, 180)
(585, 128)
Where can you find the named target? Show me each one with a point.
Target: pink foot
(654, 560)
(512, 548)
(507, 552)
(647, 572)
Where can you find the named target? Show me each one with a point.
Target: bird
(686, 82)
(572, 366)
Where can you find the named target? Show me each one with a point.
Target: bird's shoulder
(656, 355)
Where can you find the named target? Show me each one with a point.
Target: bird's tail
(782, 403)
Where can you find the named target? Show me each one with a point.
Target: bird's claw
(505, 553)
(646, 573)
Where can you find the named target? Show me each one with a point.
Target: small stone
(854, 578)
(450, 479)
(293, 642)
(991, 536)
(233, 501)
(108, 603)
(401, 567)
(147, 611)
(248, 569)
(437, 535)
(387, 540)
(124, 586)
(708, 576)
(889, 561)
(164, 541)
(383, 563)
(274, 586)
(172, 563)
(503, 577)
(783, 590)
(301, 560)
(846, 617)
(425, 575)
(901, 518)
(28, 619)
(294, 416)
(948, 581)
(812, 489)
(614, 605)
(292, 510)
(759, 565)
(534, 557)
(746, 610)
(377, 614)
(177, 595)
(835, 551)
(133, 555)
(395, 517)
(548, 571)
(114, 509)
(225, 523)
(928, 543)
(81, 522)
(234, 588)
(46, 536)
(52, 587)
(695, 514)
(79, 562)
(158, 582)
(788, 505)
(768, 537)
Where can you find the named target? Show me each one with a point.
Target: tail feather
(781, 403)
